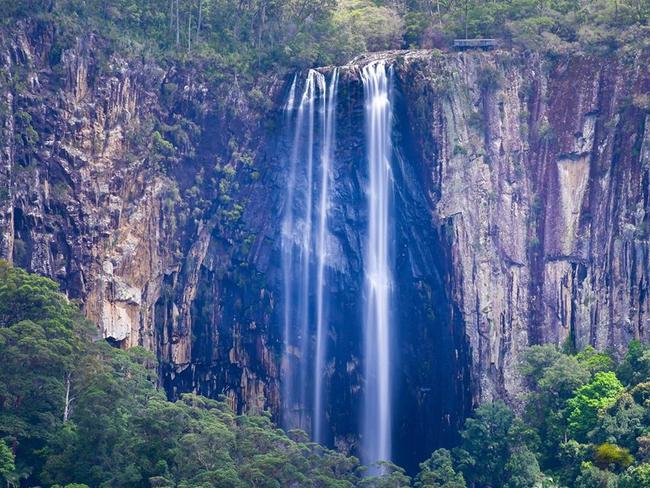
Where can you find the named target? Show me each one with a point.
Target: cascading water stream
(328, 115)
(376, 435)
(304, 245)
(296, 274)
(291, 99)
(309, 98)
(310, 133)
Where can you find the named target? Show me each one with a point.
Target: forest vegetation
(76, 412)
(251, 37)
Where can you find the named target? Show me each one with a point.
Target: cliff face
(539, 173)
(117, 179)
(155, 197)
(81, 203)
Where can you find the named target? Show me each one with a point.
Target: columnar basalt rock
(540, 171)
(90, 196)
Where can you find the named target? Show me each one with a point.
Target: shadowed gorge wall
(429, 364)
(154, 196)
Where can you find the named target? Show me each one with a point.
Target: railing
(475, 43)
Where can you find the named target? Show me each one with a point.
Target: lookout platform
(463, 44)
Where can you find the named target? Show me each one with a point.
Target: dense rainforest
(86, 404)
(77, 413)
(248, 38)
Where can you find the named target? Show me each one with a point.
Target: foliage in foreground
(586, 424)
(77, 413)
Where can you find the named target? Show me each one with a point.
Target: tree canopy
(77, 412)
(260, 36)
(581, 427)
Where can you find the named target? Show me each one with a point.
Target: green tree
(553, 377)
(535, 361)
(621, 424)
(41, 340)
(7, 462)
(368, 26)
(595, 361)
(438, 472)
(636, 477)
(635, 367)
(487, 444)
(571, 457)
(390, 476)
(522, 470)
(590, 400)
(592, 477)
(609, 456)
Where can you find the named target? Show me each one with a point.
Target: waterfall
(295, 269)
(291, 99)
(311, 118)
(327, 122)
(376, 435)
(301, 245)
(309, 98)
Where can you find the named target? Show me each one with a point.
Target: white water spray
(378, 276)
(310, 133)
(328, 115)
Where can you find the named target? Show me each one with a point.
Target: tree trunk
(189, 31)
(66, 408)
(466, 10)
(198, 24)
(178, 26)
